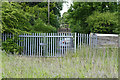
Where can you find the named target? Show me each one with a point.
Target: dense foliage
(87, 17)
(102, 22)
(42, 27)
(27, 17)
(14, 19)
(11, 46)
(82, 17)
(40, 10)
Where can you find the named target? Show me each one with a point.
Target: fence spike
(47, 45)
(75, 42)
(39, 45)
(26, 44)
(51, 45)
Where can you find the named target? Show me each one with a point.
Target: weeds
(1, 64)
(85, 63)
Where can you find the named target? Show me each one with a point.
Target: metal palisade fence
(52, 44)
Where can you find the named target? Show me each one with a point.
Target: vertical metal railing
(75, 44)
(47, 45)
(54, 43)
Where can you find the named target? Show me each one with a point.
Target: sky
(66, 6)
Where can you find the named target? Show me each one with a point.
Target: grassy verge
(0, 64)
(86, 63)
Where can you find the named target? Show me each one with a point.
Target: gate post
(75, 44)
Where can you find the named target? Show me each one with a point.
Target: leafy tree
(80, 11)
(54, 6)
(64, 18)
(14, 19)
(40, 10)
(11, 46)
(57, 8)
(40, 26)
(17, 21)
(43, 14)
(102, 22)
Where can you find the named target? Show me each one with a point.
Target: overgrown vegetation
(103, 22)
(86, 63)
(82, 17)
(40, 26)
(97, 17)
(0, 63)
(11, 46)
(27, 17)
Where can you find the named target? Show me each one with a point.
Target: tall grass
(0, 64)
(85, 63)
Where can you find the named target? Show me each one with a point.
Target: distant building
(64, 30)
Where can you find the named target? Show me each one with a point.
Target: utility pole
(48, 11)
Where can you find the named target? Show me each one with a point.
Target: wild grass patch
(85, 63)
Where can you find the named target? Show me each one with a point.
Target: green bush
(11, 46)
(40, 26)
(102, 22)
(14, 19)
